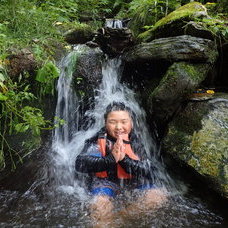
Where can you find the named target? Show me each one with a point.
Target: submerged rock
(198, 137)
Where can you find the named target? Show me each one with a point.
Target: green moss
(208, 147)
(198, 136)
(178, 141)
(178, 79)
(79, 27)
(183, 13)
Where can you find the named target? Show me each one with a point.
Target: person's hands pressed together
(118, 149)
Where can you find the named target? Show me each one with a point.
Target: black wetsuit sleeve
(92, 164)
(138, 168)
(90, 159)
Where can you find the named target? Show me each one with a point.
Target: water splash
(110, 90)
(66, 109)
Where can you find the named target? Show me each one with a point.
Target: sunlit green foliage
(217, 26)
(64, 10)
(46, 75)
(193, 11)
(148, 12)
(25, 20)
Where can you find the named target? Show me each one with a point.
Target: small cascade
(110, 90)
(66, 110)
(114, 37)
(114, 23)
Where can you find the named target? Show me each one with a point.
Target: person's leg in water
(149, 198)
(101, 210)
(101, 207)
(152, 198)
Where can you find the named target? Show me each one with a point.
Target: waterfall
(67, 101)
(113, 23)
(66, 148)
(67, 109)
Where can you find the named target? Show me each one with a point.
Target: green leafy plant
(217, 26)
(148, 12)
(17, 116)
(46, 75)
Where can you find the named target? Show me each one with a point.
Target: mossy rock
(88, 70)
(174, 49)
(173, 24)
(80, 34)
(180, 80)
(198, 137)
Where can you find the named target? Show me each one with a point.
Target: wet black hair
(117, 106)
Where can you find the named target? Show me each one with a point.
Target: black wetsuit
(91, 161)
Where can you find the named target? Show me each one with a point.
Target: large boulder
(174, 24)
(179, 48)
(180, 80)
(198, 137)
(20, 62)
(186, 63)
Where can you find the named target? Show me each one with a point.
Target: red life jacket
(121, 174)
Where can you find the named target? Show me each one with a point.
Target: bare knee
(101, 204)
(101, 211)
(155, 197)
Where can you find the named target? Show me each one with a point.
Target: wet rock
(187, 61)
(222, 79)
(114, 41)
(88, 72)
(20, 62)
(34, 166)
(174, 23)
(80, 35)
(198, 137)
(179, 48)
(180, 80)
(92, 44)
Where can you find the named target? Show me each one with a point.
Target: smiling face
(118, 123)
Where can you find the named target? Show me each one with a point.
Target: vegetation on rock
(178, 19)
(198, 137)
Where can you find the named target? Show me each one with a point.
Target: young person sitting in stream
(117, 162)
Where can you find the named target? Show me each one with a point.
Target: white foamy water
(66, 149)
(113, 23)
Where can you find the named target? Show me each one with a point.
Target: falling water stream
(63, 203)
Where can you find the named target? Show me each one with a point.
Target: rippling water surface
(67, 209)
